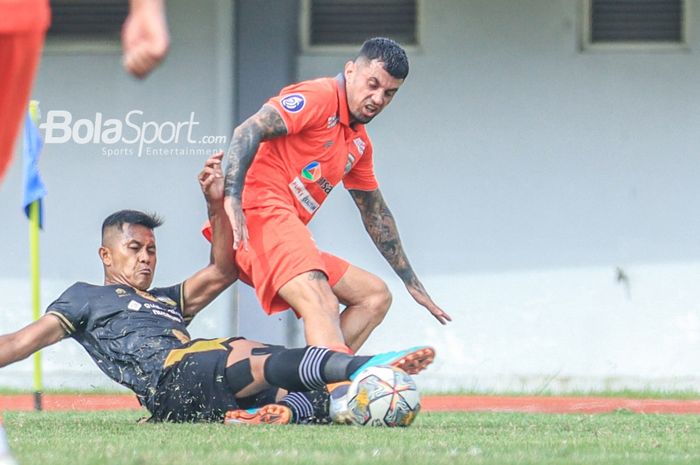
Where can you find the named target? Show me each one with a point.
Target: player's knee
(379, 300)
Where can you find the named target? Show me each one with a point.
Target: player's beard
(362, 118)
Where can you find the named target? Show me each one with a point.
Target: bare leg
(311, 296)
(367, 299)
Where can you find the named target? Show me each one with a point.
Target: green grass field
(436, 438)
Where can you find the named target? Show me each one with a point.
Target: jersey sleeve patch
(306, 105)
(293, 103)
(360, 174)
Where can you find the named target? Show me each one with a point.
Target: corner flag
(34, 189)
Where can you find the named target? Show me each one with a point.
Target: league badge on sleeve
(293, 102)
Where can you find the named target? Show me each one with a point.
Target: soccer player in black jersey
(137, 335)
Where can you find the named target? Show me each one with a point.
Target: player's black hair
(388, 52)
(118, 219)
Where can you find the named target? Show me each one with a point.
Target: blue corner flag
(34, 188)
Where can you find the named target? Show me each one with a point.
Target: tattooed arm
(381, 227)
(265, 124)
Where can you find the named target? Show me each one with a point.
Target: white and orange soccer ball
(383, 396)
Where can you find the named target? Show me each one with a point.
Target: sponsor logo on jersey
(349, 163)
(166, 300)
(332, 121)
(303, 196)
(311, 172)
(325, 185)
(360, 144)
(328, 144)
(293, 102)
(166, 315)
(133, 305)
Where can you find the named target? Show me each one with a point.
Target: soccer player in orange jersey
(282, 163)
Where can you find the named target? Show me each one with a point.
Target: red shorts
(19, 56)
(280, 247)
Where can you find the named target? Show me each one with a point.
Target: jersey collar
(343, 111)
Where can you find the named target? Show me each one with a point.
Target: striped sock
(297, 369)
(301, 407)
(308, 407)
(310, 368)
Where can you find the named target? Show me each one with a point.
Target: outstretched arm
(208, 283)
(265, 124)
(21, 344)
(381, 227)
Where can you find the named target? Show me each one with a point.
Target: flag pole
(34, 266)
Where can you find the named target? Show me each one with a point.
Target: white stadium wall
(546, 196)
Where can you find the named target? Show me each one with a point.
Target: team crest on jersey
(360, 144)
(120, 292)
(293, 102)
(349, 163)
(311, 172)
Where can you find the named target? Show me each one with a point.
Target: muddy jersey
(127, 332)
(320, 150)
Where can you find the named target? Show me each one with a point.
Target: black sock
(310, 368)
(297, 369)
(340, 366)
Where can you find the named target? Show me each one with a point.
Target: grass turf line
(436, 438)
(622, 393)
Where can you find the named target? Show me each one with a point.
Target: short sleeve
(361, 176)
(171, 295)
(72, 308)
(306, 105)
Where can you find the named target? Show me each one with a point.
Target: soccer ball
(383, 396)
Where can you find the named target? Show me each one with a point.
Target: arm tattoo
(316, 275)
(381, 227)
(265, 124)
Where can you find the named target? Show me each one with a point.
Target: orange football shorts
(280, 247)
